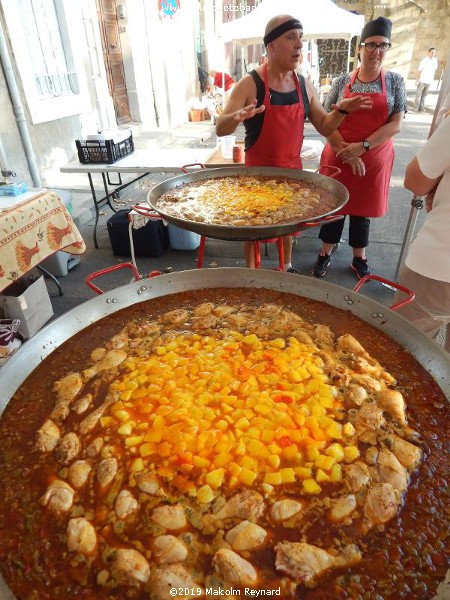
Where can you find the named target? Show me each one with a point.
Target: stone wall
(417, 26)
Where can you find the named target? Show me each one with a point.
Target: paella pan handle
(321, 221)
(185, 169)
(336, 170)
(146, 211)
(92, 276)
(411, 294)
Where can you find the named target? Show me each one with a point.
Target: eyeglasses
(371, 46)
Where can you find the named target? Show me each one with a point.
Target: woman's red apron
(281, 137)
(368, 194)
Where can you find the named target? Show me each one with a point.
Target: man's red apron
(368, 194)
(281, 138)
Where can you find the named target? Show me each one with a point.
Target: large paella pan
(248, 203)
(227, 434)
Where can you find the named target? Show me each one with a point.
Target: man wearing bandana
(273, 102)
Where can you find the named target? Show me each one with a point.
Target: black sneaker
(360, 266)
(321, 265)
(292, 270)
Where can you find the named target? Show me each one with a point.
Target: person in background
(362, 146)
(427, 266)
(272, 102)
(425, 77)
(222, 83)
(305, 68)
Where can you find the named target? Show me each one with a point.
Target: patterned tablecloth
(32, 231)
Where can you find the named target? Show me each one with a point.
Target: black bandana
(380, 26)
(275, 33)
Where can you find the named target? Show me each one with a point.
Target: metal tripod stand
(416, 205)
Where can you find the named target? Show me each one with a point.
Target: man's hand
(248, 112)
(353, 104)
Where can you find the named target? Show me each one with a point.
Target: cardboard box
(32, 306)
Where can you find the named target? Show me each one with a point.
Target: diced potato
(312, 453)
(147, 448)
(215, 478)
(321, 476)
(311, 486)
(247, 477)
(287, 475)
(272, 478)
(137, 465)
(348, 430)
(200, 462)
(222, 459)
(126, 429)
(274, 460)
(335, 431)
(325, 462)
(336, 473)
(134, 440)
(351, 453)
(335, 450)
(205, 494)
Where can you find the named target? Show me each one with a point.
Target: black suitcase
(150, 240)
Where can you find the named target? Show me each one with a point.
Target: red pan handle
(322, 221)
(146, 211)
(337, 170)
(184, 168)
(411, 295)
(92, 276)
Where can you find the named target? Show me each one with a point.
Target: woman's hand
(248, 112)
(357, 166)
(350, 151)
(429, 198)
(353, 104)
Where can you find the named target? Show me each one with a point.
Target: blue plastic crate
(13, 189)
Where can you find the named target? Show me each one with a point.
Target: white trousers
(430, 310)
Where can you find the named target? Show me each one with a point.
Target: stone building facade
(417, 26)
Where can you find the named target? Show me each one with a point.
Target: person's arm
(241, 105)
(327, 123)
(417, 182)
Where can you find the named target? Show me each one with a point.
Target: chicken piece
(304, 563)
(391, 470)
(341, 508)
(68, 448)
(149, 484)
(246, 536)
(369, 416)
(175, 317)
(130, 567)
(393, 403)
(244, 505)
(168, 549)
(95, 447)
(68, 387)
(323, 336)
(167, 578)
(355, 395)
(126, 504)
(78, 473)
(106, 471)
(203, 310)
(170, 517)
(97, 354)
(81, 536)
(408, 454)
(58, 497)
(113, 358)
(118, 341)
(303, 336)
(234, 569)
(89, 422)
(367, 382)
(285, 509)
(381, 505)
(222, 310)
(363, 366)
(347, 343)
(47, 437)
(357, 476)
(82, 404)
(207, 322)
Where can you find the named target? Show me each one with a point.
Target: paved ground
(386, 237)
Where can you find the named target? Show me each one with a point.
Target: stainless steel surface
(426, 352)
(256, 232)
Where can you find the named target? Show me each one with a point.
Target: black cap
(380, 26)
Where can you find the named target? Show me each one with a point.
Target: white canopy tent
(320, 19)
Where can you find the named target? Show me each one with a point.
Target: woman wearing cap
(362, 146)
(273, 102)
